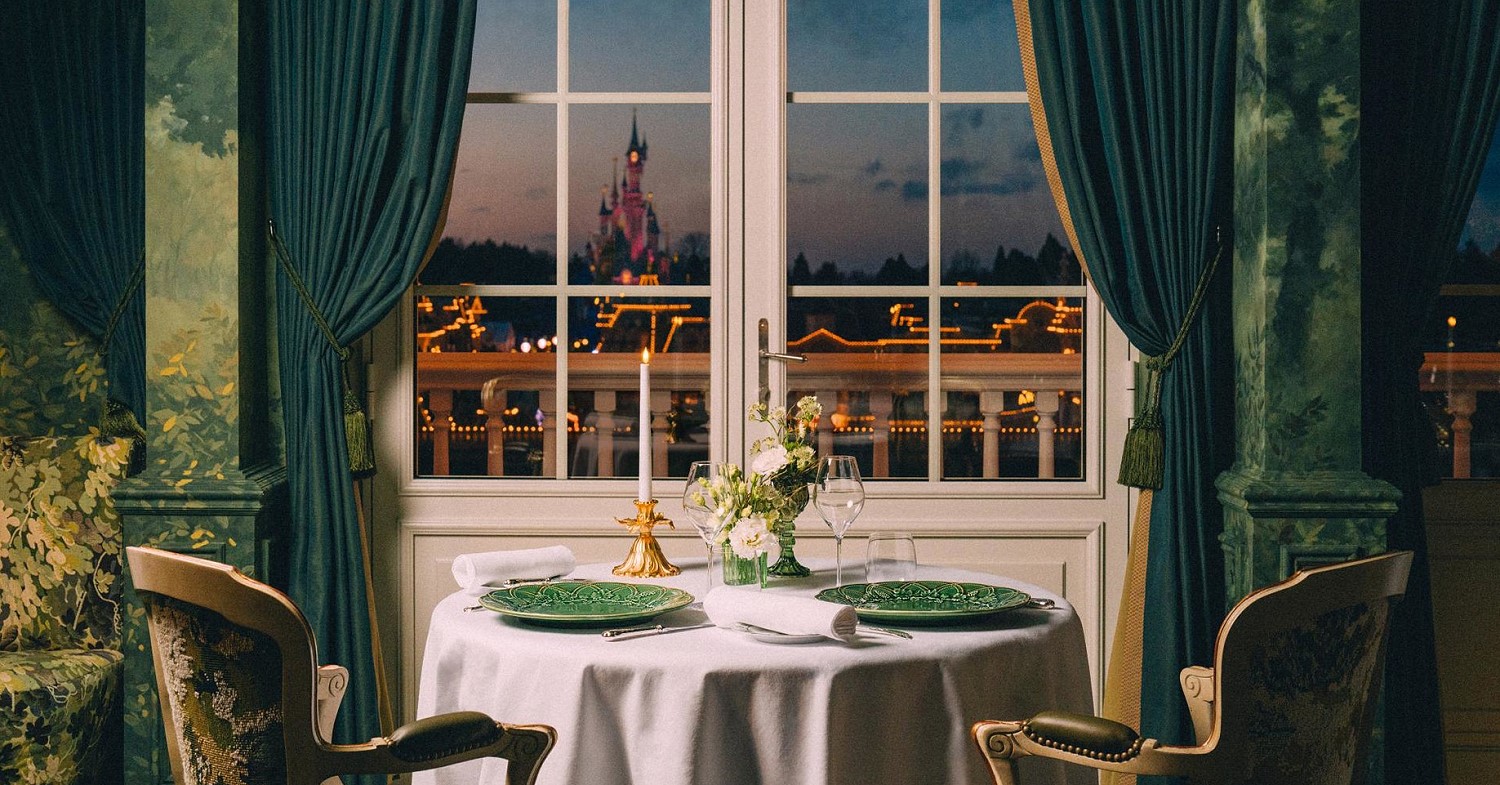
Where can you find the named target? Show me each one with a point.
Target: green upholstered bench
(60, 577)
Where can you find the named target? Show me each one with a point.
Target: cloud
(914, 190)
(885, 185)
(966, 177)
(537, 192)
(874, 167)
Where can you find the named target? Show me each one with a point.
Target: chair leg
(526, 747)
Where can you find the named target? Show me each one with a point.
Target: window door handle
(766, 356)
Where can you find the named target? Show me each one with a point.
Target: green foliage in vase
(786, 459)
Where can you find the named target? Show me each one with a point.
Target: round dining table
(705, 705)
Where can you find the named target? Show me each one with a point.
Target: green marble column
(1296, 495)
(215, 480)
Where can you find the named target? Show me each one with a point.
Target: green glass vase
(743, 572)
(786, 536)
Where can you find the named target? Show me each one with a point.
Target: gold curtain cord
(356, 424)
(117, 419)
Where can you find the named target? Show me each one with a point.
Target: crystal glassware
(890, 556)
(838, 495)
(699, 508)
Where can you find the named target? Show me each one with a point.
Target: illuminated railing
(882, 377)
(1461, 376)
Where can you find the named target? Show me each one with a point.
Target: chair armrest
(333, 680)
(1198, 691)
(443, 740)
(1076, 738)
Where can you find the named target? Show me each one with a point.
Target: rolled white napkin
(727, 606)
(473, 570)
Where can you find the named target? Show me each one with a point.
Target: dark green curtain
(1138, 97)
(365, 104)
(1431, 96)
(72, 158)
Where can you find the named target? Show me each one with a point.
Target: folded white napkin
(473, 570)
(727, 606)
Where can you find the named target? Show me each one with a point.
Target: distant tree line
(1052, 265)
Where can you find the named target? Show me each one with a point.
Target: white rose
(768, 461)
(749, 538)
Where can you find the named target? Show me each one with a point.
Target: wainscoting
(1463, 532)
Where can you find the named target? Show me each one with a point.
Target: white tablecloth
(711, 706)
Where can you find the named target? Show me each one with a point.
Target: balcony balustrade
(883, 377)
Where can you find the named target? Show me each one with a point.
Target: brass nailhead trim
(1108, 757)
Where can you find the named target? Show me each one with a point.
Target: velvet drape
(72, 157)
(366, 100)
(1430, 76)
(1137, 106)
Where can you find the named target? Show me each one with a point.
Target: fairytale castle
(628, 248)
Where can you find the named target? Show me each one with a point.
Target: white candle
(643, 485)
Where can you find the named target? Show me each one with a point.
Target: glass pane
(515, 47)
(1013, 381)
(856, 195)
(871, 45)
(502, 225)
(980, 48)
(1000, 225)
(640, 46)
(604, 384)
(639, 185)
(867, 363)
(485, 375)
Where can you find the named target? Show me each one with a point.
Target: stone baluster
(882, 403)
(1046, 434)
(440, 403)
(1462, 403)
(495, 400)
(830, 400)
(991, 404)
(604, 432)
(549, 434)
(661, 405)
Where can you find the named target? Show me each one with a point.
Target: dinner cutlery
(743, 627)
(623, 633)
(511, 583)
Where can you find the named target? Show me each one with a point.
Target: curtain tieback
(356, 424)
(1144, 462)
(117, 419)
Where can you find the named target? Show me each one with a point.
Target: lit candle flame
(645, 357)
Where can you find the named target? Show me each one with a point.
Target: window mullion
(560, 301)
(936, 400)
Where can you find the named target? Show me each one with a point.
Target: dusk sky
(857, 174)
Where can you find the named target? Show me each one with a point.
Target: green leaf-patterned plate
(586, 604)
(925, 602)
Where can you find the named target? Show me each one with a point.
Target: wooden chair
(243, 699)
(1291, 696)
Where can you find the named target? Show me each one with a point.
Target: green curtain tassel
(1144, 462)
(120, 423)
(356, 425)
(357, 435)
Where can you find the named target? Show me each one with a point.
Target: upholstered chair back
(1299, 672)
(222, 684)
(60, 542)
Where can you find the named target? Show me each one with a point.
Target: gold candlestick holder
(645, 559)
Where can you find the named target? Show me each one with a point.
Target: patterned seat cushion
(60, 543)
(55, 706)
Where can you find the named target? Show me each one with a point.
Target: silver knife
(621, 633)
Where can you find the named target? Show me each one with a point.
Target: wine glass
(839, 495)
(700, 509)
